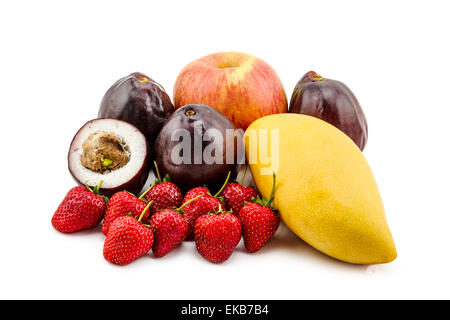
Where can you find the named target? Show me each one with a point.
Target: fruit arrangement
(306, 162)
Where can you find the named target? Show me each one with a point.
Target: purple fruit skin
(188, 176)
(333, 102)
(134, 185)
(139, 100)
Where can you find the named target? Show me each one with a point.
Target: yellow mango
(325, 190)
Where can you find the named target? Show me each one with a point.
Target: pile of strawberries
(160, 219)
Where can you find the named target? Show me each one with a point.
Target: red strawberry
(216, 235)
(203, 205)
(194, 192)
(164, 194)
(169, 228)
(259, 222)
(127, 239)
(121, 204)
(82, 208)
(235, 194)
(197, 208)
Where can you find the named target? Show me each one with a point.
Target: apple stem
(269, 202)
(157, 171)
(144, 211)
(223, 186)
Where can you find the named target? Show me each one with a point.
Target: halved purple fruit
(112, 151)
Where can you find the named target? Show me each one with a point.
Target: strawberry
(259, 222)
(197, 208)
(164, 194)
(127, 239)
(121, 204)
(169, 230)
(203, 205)
(82, 208)
(235, 194)
(216, 235)
(194, 192)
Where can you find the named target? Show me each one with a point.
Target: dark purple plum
(192, 147)
(139, 100)
(112, 152)
(333, 102)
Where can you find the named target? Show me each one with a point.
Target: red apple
(239, 85)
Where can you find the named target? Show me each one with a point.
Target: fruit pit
(104, 152)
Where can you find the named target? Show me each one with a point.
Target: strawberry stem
(189, 201)
(243, 175)
(97, 187)
(145, 210)
(223, 186)
(157, 171)
(145, 192)
(269, 201)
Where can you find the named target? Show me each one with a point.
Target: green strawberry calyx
(220, 211)
(266, 202)
(96, 191)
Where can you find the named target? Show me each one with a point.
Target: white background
(57, 59)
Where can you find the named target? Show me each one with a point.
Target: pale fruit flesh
(325, 192)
